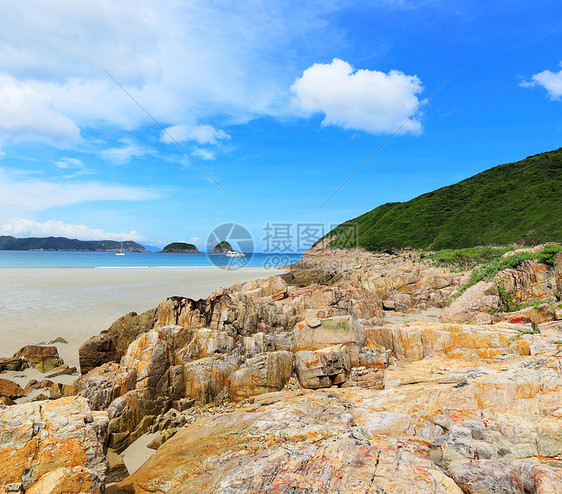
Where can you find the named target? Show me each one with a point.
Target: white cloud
(28, 113)
(204, 154)
(74, 166)
(203, 134)
(124, 154)
(185, 61)
(23, 227)
(36, 194)
(367, 100)
(551, 81)
(66, 163)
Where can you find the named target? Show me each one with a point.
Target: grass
(487, 262)
(523, 332)
(465, 259)
(489, 269)
(511, 203)
(548, 254)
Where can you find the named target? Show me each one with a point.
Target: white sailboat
(120, 253)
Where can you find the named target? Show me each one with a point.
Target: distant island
(222, 248)
(516, 203)
(8, 242)
(180, 248)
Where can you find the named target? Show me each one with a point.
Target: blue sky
(280, 102)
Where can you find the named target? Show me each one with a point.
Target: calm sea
(43, 259)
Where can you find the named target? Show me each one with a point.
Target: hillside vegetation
(66, 244)
(180, 248)
(222, 248)
(512, 203)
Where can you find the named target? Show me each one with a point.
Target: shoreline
(139, 267)
(41, 304)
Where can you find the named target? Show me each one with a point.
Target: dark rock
(4, 400)
(10, 389)
(111, 345)
(43, 358)
(11, 364)
(58, 390)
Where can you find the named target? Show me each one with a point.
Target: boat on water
(120, 253)
(235, 253)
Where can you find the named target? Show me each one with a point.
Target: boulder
(323, 368)
(537, 314)
(287, 442)
(111, 345)
(58, 390)
(10, 389)
(117, 468)
(530, 281)
(33, 384)
(207, 379)
(262, 374)
(480, 298)
(96, 351)
(43, 358)
(4, 400)
(420, 340)
(61, 370)
(273, 287)
(11, 364)
(330, 331)
(491, 476)
(68, 480)
(98, 386)
(40, 437)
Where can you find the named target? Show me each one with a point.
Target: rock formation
(44, 358)
(310, 382)
(51, 443)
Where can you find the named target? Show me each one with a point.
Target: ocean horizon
(75, 259)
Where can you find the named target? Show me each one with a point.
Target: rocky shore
(354, 372)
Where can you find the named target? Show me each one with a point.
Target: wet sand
(41, 304)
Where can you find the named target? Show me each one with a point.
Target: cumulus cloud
(367, 100)
(36, 194)
(185, 61)
(551, 81)
(203, 134)
(24, 227)
(28, 113)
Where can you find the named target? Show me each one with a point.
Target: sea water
(63, 259)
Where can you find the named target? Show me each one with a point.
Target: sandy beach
(41, 304)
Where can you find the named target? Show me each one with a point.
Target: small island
(8, 242)
(222, 248)
(180, 248)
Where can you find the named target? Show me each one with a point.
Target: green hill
(180, 248)
(222, 248)
(516, 202)
(67, 244)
